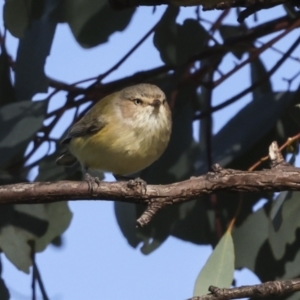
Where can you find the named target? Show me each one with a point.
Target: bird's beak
(156, 103)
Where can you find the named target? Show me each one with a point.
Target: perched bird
(123, 133)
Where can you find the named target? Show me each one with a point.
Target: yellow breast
(121, 149)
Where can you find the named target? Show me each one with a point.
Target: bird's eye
(137, 101)
(164, 102)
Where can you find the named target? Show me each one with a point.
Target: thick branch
(228, 180)
(280, 177)
(267, 289)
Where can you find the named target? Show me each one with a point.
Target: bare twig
(265, 158)
(256, 83)
(267, 289)
(40, 281)
(33, 281)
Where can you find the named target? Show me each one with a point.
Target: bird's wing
(87, 125)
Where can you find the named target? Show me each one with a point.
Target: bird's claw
(91, 181)
(134, 183)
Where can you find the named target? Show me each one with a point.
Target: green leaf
(8, 178)
(294, 296)
(27, 222)
(14, 244)
(276, 211)
(16, 16)
(59, 218)
(126, 218)
(18, 124)
(219, 268)
(230, 34)
(177, 43)
(292, 269)
(285, 235)
(7, 92)
(165, 36)
(4, 293)
(258, 71)
(32, 53)
(193, 223)
(294, 114)
(249, 239)
(268, 253)
(22, 224)
(93, 21)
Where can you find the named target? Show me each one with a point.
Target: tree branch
(217, 4)
(267, 289)
(280, 177)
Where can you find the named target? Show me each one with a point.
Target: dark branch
(267, 289)
(222, 4)
(280, 177)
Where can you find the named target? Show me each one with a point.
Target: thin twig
(127, 55)
(254, 85)
(288, 142)
(40, 282)
(33, 285)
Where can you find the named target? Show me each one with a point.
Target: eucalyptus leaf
(4, 293)
(230, 34)
(219, 268)
(291, 267)
(286, 234)
(14, 244)
(276, 210)
(126, 218)
(18, 124)
(258, 71)
(7, 92)
(177, 43)
(93, 21)
(59, 218)
(193, 224)
(26, 223)
(32, 53)
(166, 34)
(294, 296)
(32, 218)
(249, 239)
(16, 14)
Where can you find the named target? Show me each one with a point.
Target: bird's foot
(92, 181)
(138, 182)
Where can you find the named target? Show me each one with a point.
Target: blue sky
(96, 262)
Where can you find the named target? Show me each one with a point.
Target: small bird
(123, 133)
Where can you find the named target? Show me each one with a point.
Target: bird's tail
(66, 159)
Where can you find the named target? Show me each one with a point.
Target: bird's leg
(132, 182)
(91, 180)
